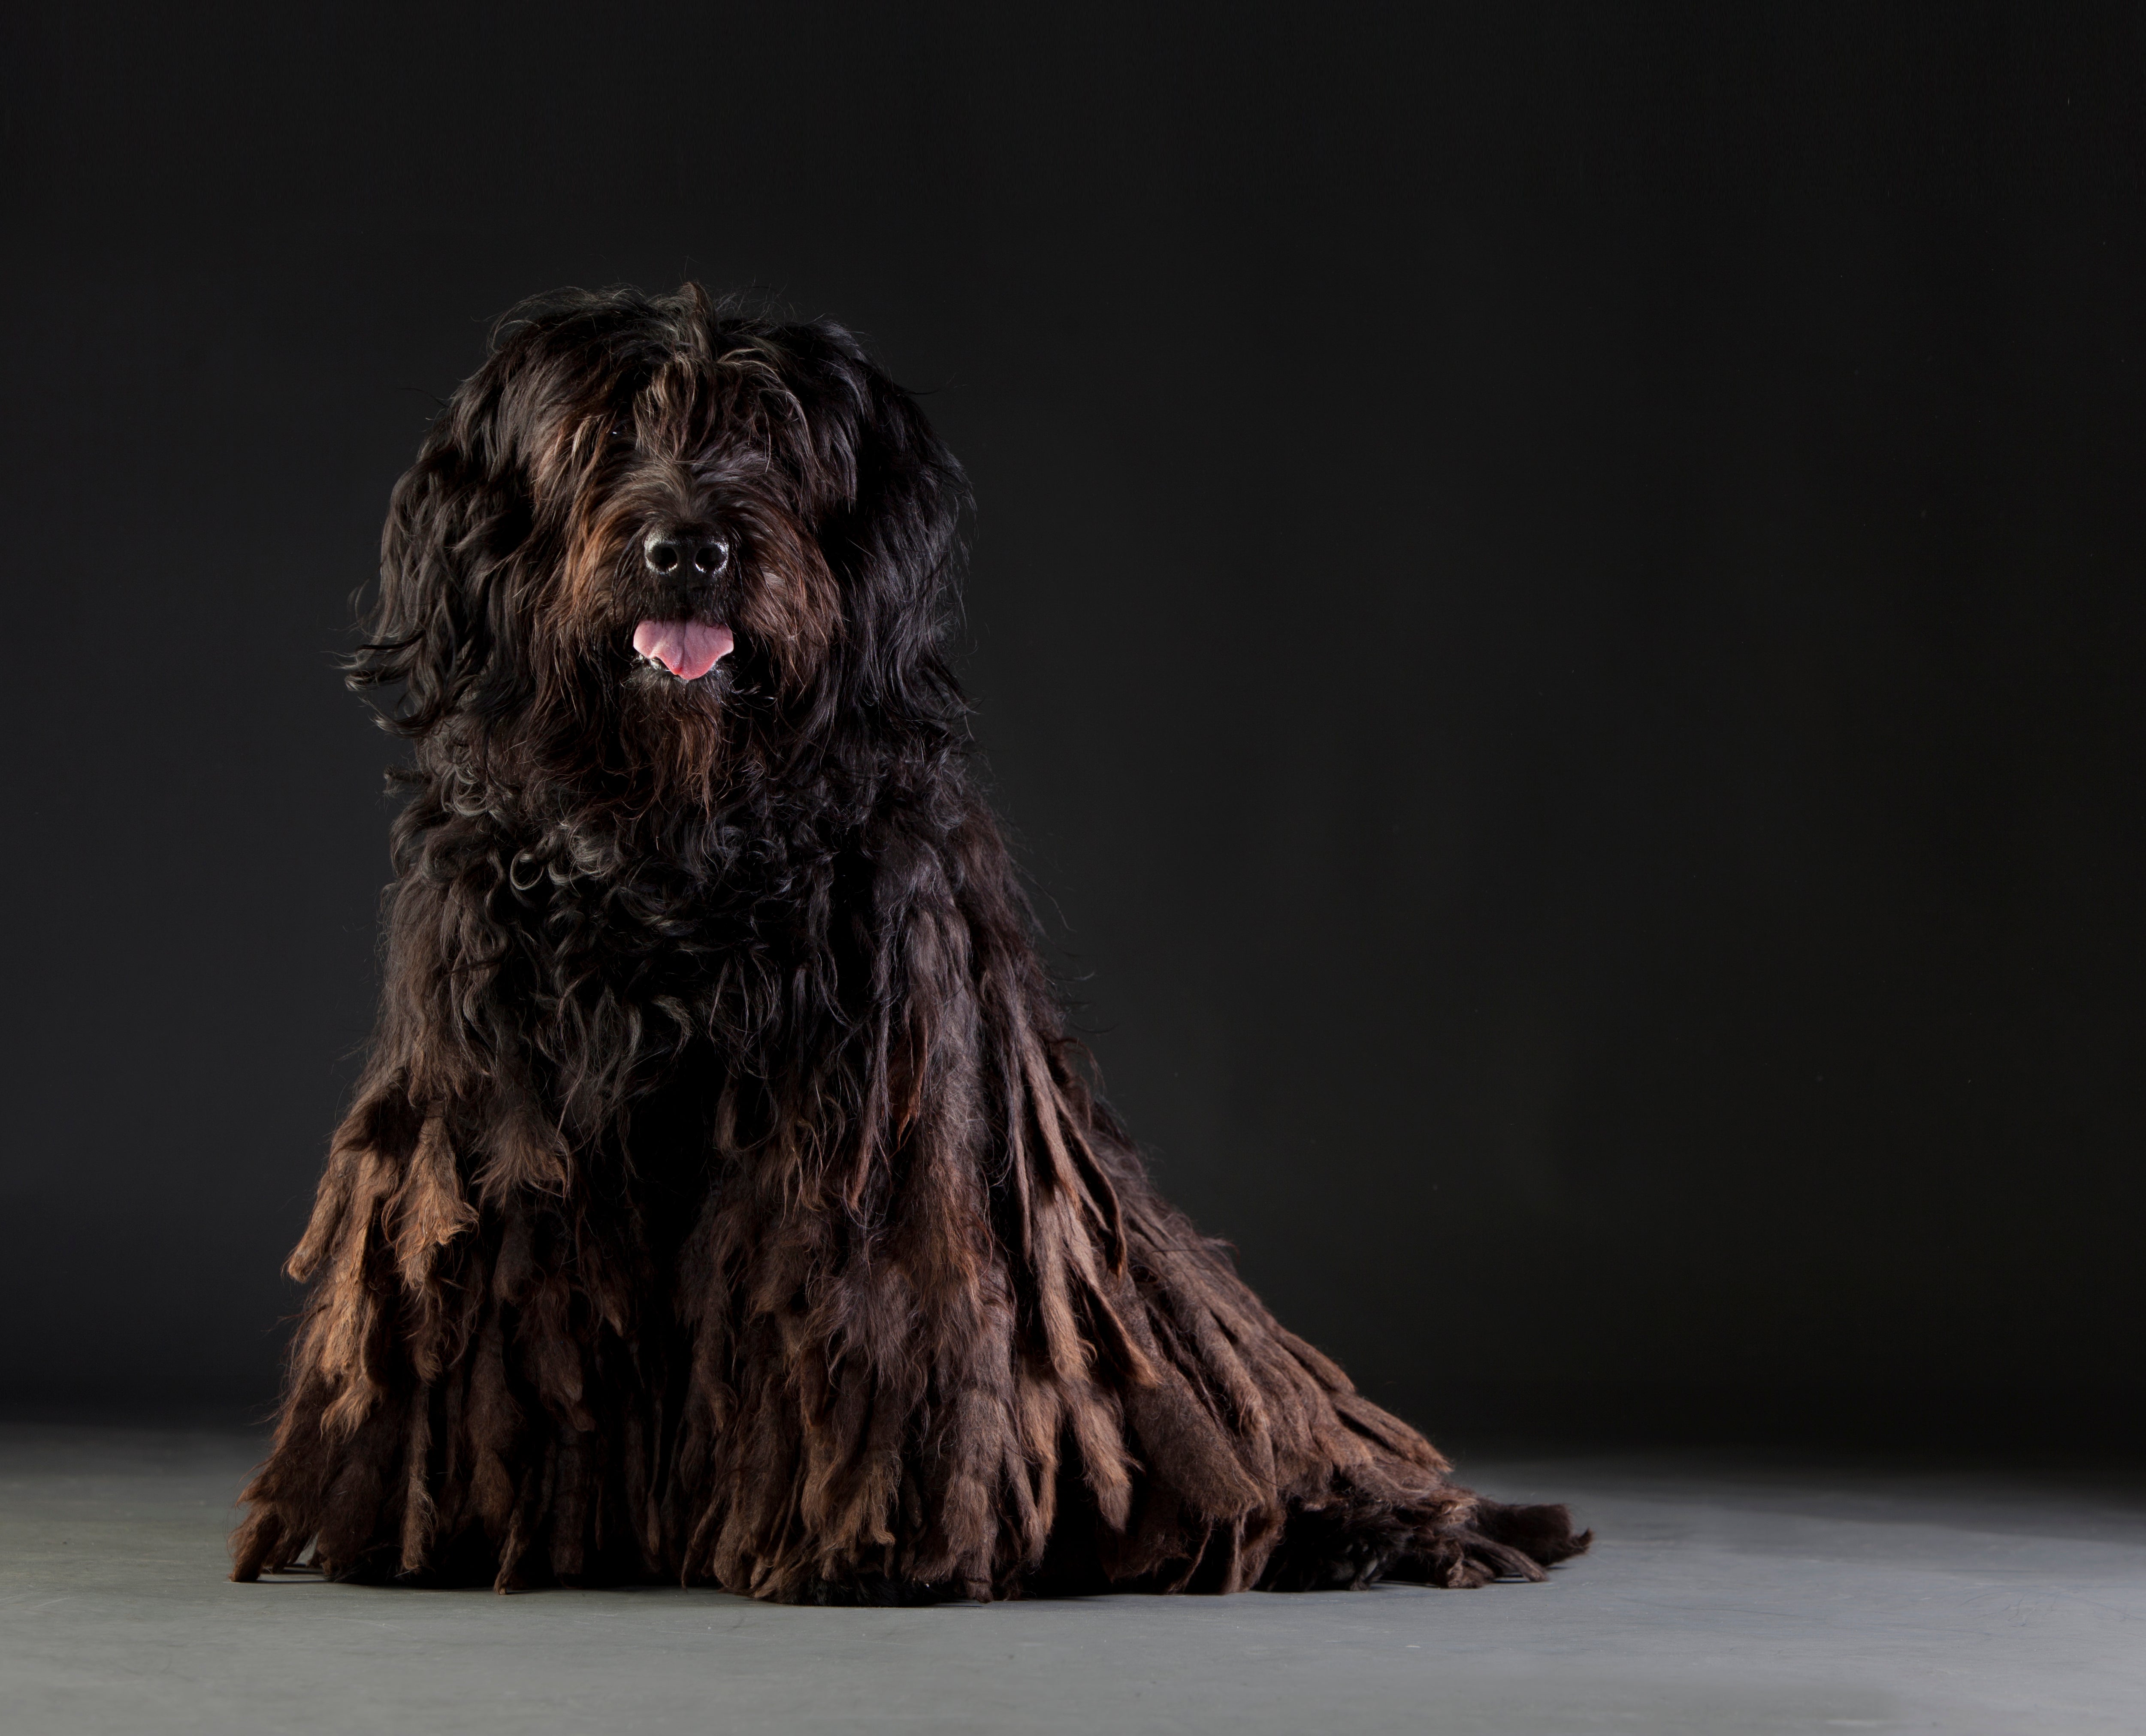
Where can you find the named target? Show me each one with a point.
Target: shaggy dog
(724, 1199)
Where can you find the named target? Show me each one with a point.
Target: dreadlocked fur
(724, 1199)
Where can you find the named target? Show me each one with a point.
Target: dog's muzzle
(687, 560)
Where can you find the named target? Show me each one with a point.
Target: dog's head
(653, 531)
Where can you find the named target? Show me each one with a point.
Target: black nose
(686, 554)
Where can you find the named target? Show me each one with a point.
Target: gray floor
(1717, 1600)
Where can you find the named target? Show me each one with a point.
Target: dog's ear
(893, 521)
(447, 623)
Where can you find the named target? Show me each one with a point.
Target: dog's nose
(688, 555)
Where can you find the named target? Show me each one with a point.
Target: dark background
(1556, 612)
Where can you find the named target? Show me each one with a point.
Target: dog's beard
(685, 683)
(688, 685)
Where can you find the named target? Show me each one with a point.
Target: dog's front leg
(465, 1326)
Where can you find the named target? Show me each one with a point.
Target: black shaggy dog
(724, 1200)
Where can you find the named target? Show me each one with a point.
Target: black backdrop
(1556, 611)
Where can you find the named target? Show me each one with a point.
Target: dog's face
(683, 506)
(646, 530)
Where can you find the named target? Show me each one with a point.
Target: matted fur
(724, 1199)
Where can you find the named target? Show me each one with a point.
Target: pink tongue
(688, 649)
